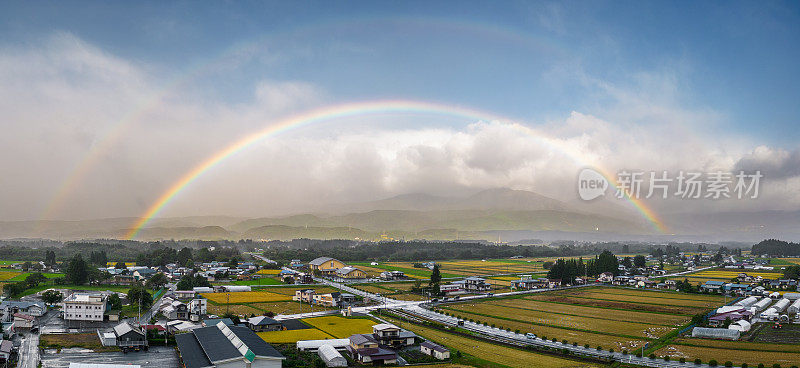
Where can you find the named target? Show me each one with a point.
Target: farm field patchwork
(497, 354)
(738, 345)
(8, 275)
(613, 317)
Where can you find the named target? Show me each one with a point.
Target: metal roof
(191, 352)
(320, 260)
(215, 344)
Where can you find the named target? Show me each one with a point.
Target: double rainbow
(357, 109)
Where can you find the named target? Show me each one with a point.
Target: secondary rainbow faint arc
(354, 109)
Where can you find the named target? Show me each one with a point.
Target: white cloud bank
(63, 98)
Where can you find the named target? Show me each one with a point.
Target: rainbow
(120, 128)
(350, 110)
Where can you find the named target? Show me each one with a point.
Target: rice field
(725, 275)
(605, 316)
(341, 327)
(739, 345)
(8, 275)
(498, 354)
(268, 271)
(245, 297)
(293, 336)
(237, 309)
(737, 356)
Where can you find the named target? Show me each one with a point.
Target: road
(29, 351)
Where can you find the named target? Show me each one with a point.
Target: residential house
(197, 307)
(174, 309)
(9, 307)
(226, 346)
(6, 349)
(263, 323)
(84, 307)
(391, 335)
(605, 277)
(435, 350)
(304, 295)
(22, 322)
(393, 275)
(365, 349)
(474, 283)
(129, 337)
(712, 286)
(143, 274)
(328, 300)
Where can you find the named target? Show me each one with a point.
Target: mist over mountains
(503, 215)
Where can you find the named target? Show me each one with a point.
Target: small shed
(331, 357)
(715, 333)
(435, 350)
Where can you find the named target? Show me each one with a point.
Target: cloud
(62, 98)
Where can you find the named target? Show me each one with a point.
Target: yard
(83, 340)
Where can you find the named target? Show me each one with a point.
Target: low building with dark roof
(229, 346)
(435, 350)
(263, 323)
(365, 349)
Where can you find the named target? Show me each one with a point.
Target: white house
(435, 350)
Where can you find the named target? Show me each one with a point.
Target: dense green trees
(76, 272)
(189, 282)
(51, 297)
(157, 281)
(639, 261)
(776, 247)
(138, 295)
(435, 281)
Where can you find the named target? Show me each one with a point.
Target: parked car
(530, 335)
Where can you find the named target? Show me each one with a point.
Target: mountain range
(493, 214)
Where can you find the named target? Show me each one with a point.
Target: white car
(530, 335)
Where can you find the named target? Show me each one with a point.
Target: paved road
(29, 351)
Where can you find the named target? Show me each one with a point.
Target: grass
(22, 276)
(83, 340)
(293, 336)
(498, 355)
(341, 327)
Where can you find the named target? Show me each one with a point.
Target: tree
(120, 265)
(627, 262)
(792, 272)
(639, 261)
(50, 258)
(157, 281)
(34, 279)
(184, 256)
(26, 266)
(436, 279)
(52, 297)
(76, 273)
(138, 295)
(114, 302)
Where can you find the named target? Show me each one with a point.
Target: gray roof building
(222, 344)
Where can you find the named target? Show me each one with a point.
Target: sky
(104, 105)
